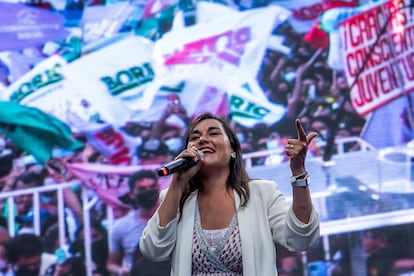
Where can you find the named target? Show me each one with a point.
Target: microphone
(180, 164)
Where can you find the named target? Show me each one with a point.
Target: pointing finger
(300, 130)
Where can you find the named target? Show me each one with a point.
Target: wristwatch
(300, 180)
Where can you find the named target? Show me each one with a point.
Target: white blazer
(267, 219)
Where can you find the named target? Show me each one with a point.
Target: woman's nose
(202, 139)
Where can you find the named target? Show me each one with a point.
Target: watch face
(301, 182)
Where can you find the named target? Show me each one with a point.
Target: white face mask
(323, 133)
(272, 144)
(290, 76)
(175, 144)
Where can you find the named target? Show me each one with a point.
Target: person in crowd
(214, 219)
(23, 204)
(288, 263)
(66, 265)
(7, 173)
(143, 266)
(5, 268)
(26, 255)
(153, 151)
(382, 253)
(99, 247)
(168, 128)
(127, 230)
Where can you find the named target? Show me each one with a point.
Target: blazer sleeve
(157, 243)
(286, 229)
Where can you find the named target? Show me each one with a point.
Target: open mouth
(206, 150)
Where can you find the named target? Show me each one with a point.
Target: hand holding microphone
(180, 164)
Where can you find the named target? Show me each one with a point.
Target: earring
(233, 155)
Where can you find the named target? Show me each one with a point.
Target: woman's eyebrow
(209, 129)
(195, 132)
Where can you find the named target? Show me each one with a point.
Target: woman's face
(210, 137)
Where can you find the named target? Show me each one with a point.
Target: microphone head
(162, 171)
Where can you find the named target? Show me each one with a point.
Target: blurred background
(96, 95)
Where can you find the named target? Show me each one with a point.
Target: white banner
(249, 105)
(213, 52)
(110, 181)
(42, 87)
(116, 79)
(104, 21)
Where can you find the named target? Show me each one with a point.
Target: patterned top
(216, 252)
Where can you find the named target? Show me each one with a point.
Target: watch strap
(301, 180)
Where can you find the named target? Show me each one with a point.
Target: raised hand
(296, 149)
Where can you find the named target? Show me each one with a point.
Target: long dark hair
(238, 178)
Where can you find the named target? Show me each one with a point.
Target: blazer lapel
(246, 235)
(185, 235)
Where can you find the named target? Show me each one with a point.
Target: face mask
(290, 76)
(175, 144)
(272, 144)
(147, 199)
(323, 133)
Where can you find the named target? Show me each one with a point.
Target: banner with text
(42, 87)
(117, 79)
(109, 182)
(380, 64)
(23, 26)
(212, 52)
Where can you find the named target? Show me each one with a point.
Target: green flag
(35, 131)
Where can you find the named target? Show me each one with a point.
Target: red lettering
(119, 154)
(235, 48)
(120, 157)
(227, 46)
(192, 53)
(407, 66)
(373, 86)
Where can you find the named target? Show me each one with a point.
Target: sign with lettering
(110, 182)
(249, 105)
(117, 79)
(43, 88)
(22, 26)
(381, 63)
(102, 21)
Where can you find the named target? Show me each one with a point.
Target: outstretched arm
(296, 150)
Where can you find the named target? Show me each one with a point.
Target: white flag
(213, 52)
(43, 88)
(249, 105)
(117, 79)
